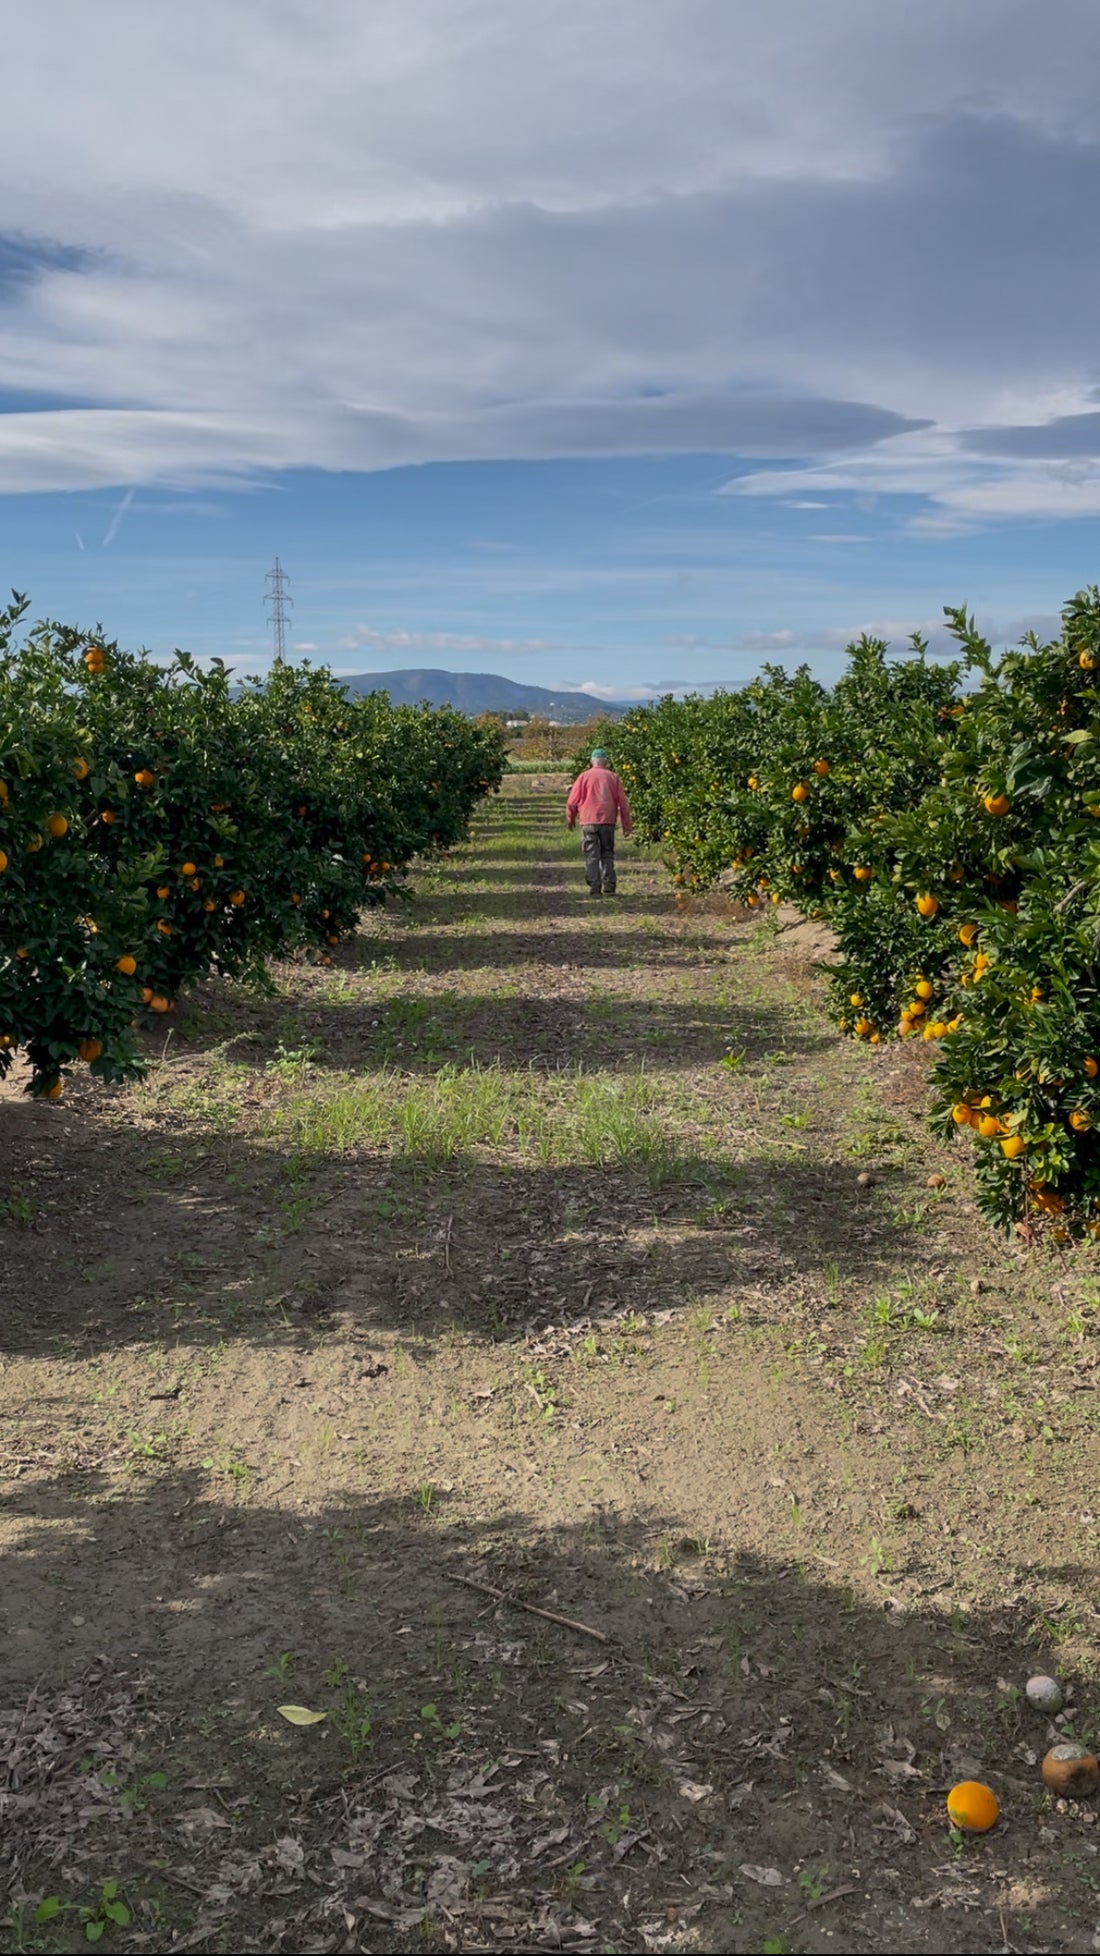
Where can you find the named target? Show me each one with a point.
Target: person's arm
(573, 803)
(623, 806)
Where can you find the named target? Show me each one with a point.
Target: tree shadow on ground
(422, 1032)
(737, 1753)
(538, 941)
(503, 869)
(524, 901)
(191, 1230)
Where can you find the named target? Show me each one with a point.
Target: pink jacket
(597, 796)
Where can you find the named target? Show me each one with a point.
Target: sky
(607, 346)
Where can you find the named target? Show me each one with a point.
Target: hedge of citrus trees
(945, 820)
(157, 824)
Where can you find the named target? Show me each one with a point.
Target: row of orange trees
(945, 819)
(157, 823)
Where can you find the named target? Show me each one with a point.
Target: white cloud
(598, 691)
(349, 237)
(770, 642)
(450, 643)
(896, 630)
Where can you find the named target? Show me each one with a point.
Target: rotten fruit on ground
(1071, 1771)
(1044, 1694)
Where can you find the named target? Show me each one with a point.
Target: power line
(277, 597)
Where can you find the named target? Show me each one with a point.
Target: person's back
(597, 802)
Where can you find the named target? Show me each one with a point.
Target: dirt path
(527, 1248)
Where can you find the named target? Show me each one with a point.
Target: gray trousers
(599, 856)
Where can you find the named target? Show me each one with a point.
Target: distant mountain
(479, 692)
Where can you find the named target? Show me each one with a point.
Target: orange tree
(1007, 848)
(834, 765)
(952, 840)
(770, 786)
(156, 825)
(683, 763)
(71, 922)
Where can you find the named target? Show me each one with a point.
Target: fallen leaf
(767, 1877)
(689, 1789)
(898, 1770)
(201, 1817)
(544, 1841)
(342, 1858)
(893, 1821)
(299, 1715)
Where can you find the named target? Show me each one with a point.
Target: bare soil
(535, 1344)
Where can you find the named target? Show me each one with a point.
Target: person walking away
(597, 802)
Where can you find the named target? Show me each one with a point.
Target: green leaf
(47, 1909)
(93, 1930)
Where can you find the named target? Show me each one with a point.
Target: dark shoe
(595, 893)
(610, 893)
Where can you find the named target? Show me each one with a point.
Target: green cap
(599, 754)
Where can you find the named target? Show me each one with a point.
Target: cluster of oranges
(980, 1113)
(915, 1016)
